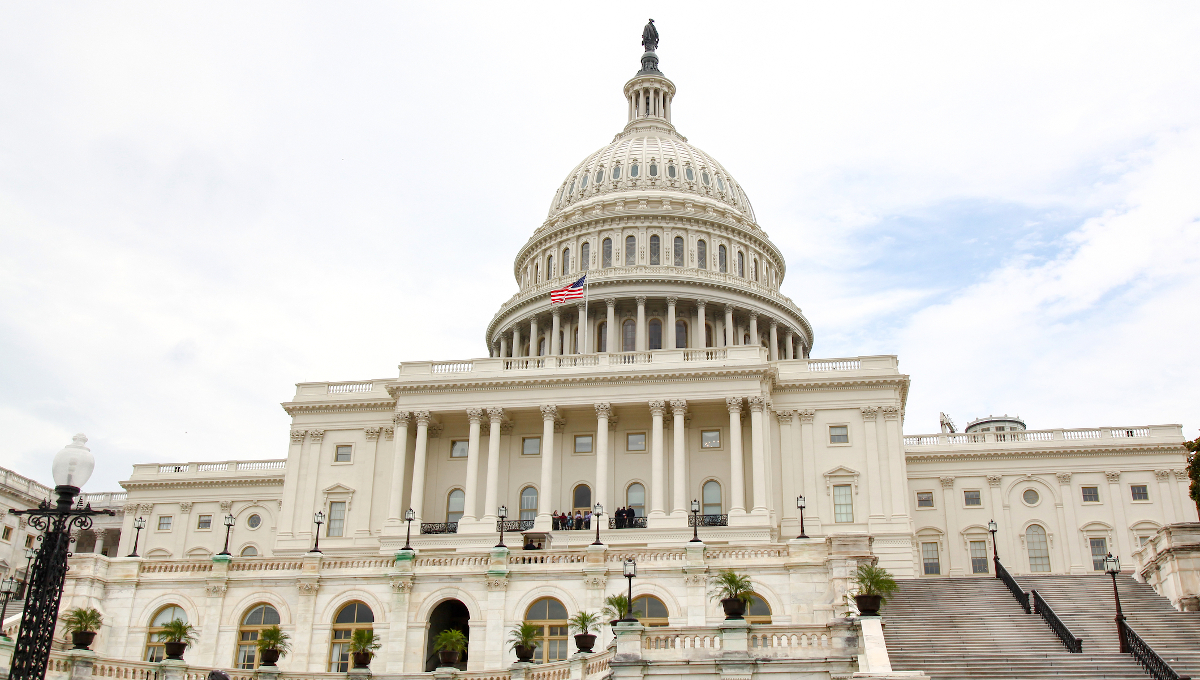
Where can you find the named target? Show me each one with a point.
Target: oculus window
(1030, 496)
(254, 521)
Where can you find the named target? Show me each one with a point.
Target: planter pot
(524, 654)
(361, 659)
(82, 638)
(448, 658)
(584, 642)
(268, 657)
(734, 608)
(174, 650)
(868, 605)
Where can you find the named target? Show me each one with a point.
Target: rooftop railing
(232, 466)
(1076, 434)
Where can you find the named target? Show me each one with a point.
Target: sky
(202, 204)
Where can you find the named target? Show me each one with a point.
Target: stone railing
(573, 363)
(1017, 436)
(229, 467)
(1170, 562)
(734, 638)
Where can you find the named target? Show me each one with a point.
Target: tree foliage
(1194, 470)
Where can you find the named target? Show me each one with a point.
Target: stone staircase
(972, 627)
(1085, 604)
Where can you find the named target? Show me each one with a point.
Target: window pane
(671, 171)
(721, 259)
(582, 496)
(1030, 496)
(655, 328)
(1091, 494)
(583, 184)
(636, 499)
(583, 443)
(599, 176)
(529, 503)
(929, 558)
(630, 250)
(681, 334)
(653, 170)
(688, 173)
(633, 170)
(1039, 551)
(458, 449)
(702, 254)
(628, 336)
(635, 441)
(710, 439)
(924, 499)
(342, 454)
(979, 560)
(741, 265)
(606, 252)
(249, 551)
(654, 250)
(617, 172)
(839, 434)
(678, 251)
(843, 506)
(1140, 492)
(531, 446)
(1099, 548)
(585, 253)
(712, 498)
(164, 523)
(972, 498)
(337, 519)
(205, 522)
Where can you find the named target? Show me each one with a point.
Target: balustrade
(1073, 644)
(1154, 664)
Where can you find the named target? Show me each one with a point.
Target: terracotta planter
(82, 638)
(174, 650)
(584, 642)
(448, 658)
(868, 605)
(734, 608)
(524, 653)
(268, 657)
(361, 659)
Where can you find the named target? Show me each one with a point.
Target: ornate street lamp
(992, 526)
(1112, 565)
(629, 569)
(229, 521)
(318, 519)
(30, 553)
(502, 513)
(72, 467)
(8, 587)
(409, 516)
(695, 521)
(800, 505)
(138, 524)
(597, 513)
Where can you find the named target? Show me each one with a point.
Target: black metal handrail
(708, 520)
(1013, 586)
(439, 527)
(627, 523)
(1154, 664)
(1074, 644)
(515, 524)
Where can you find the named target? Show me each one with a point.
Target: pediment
(842, 471)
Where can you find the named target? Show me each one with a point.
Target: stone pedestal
(267, 673)
(735, 637)
(576, 665)
(82, 661)
(873, 662)
(519, 670)
(1170, 563)
(6, 650)
(444, 673)
(358, 674)
(172, 669)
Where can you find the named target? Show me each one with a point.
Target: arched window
(602, 337)
(741, 264)
(566, 261)
(678, 251)
(550, 267)
(711, 495)
(654, 250)
(354, 616)
(758, 611)
(600, 175)
(259, 617)
(681, 334)
(581, 499)
(655, 334)
(653, 170)
(155, 651)
(630, 250)
(649, 611)
(671, 170)
(702, 254)
(635, 499)
(1039, 550)
(754, 269)
(529, 503)
(249, 551)
(628, 335)
(551, 616)
(616, 172)
(704, 177)
(585, 256)
(633, 170)
(721, 263)
(687, 172)
(455, 503)
(606, 252)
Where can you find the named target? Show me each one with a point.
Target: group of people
(564, 520)
(622, 517)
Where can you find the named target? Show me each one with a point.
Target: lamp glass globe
(73, 465)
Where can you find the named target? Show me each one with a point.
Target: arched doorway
(451, 614)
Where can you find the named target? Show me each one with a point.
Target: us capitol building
(683, 393)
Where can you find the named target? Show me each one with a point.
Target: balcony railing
(708, 520)
(439, 527)
(514, 525)
(627, 523)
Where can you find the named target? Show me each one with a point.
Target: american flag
(571, 292)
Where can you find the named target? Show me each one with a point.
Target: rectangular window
(924, 499)
(710, 439)
(583, 443)
(204, 522)
(458, 448)
(839, 434)
(972, 498)
(164, 523)
(29, 541)
(843, 506)
(635, 441)
(337, 520)
(7, 535)
(1091, 494)
(1142, 540)
(979, 558)
(531, 446)
(929, 559)
(1099, 548)
(341, 453)
(1140, 492)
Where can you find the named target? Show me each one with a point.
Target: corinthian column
(533, 339)
(657, 470)
(737, 480)
(554, 348)
(399, 460)
(610, 332)
(679, 458)
(475, 416)
(758, 458)
(754, 329)
(700, 340)
(603, 411)
(417, 495)
(669, 328)
(774, 340)
(546, 492)
(581, 328)
(495, 416)
(641, 343)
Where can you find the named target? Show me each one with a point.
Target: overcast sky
(202, 205)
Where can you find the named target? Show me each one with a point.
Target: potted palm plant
(735, 591)
(586, 623)
(82, 625)
(874, 585)
(616, 607)
(363, 643)
(176, 636)
(450, 644)
(272, 644)
(523, 640)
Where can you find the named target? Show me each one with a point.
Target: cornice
(827, 382)
(293, 408)
(1046, 452)
(761, 372)
(138, 485)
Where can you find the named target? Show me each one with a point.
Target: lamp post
(1113, 567)
(229, 521)
(597, 513)
(30, 553)
(695, 521)
(8, 587)
(72, 467)
(138, 524)
(800, 506)
(629, 569)
(409, 516)
(992, 526)
(318, 519)
(502, 513)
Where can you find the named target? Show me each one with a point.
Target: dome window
(653, 170)
(720, 184)
(583, 182)
(671, 171)
(600, 175)
(606, 252)
(616, 172)
(702, 254)
(687, 172)
(571, 192)
(741, 264)
(722, 262)
(678, 251)
(585, 256)
(654, 250)
(633, 170)
(566, 261)
(704, 178)
(630, 250)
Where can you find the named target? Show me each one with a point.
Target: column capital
(679, 406)
(1162, 475)
(1181, 474)
(993, 480)
(700, 302)
(389, 433)
(869, 412)
(754, 317)
(787, 333)
(784, 416)
(531, 319)
(549, 412)
(947, 482)
(734, 404)
(317, 435)
(611, 302)
(603, 410)
(807, 415)
(1064, 478)
(1114, 476)
(401, 417)
(475, 415)
(580, 305)
(422, 418)
(729, 309)
(372, 432)
(672, 300)
(757, 404)
(298, 436)
(774, 325)
(556, 312)
(641, 300)
(891, 412)
(657, 407)
(495, 414)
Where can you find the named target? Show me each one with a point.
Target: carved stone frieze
(506, 427)
(226, 505)
(185, 507)
(1181, 474)
(947, 482)
(597, 581)
(435, 429)
(216, 589)
(308, 587)
(785, 417)
(402, 585)
(372, 433)
(695, 580)
(131, 507)
(497, 583)
(146, 507)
